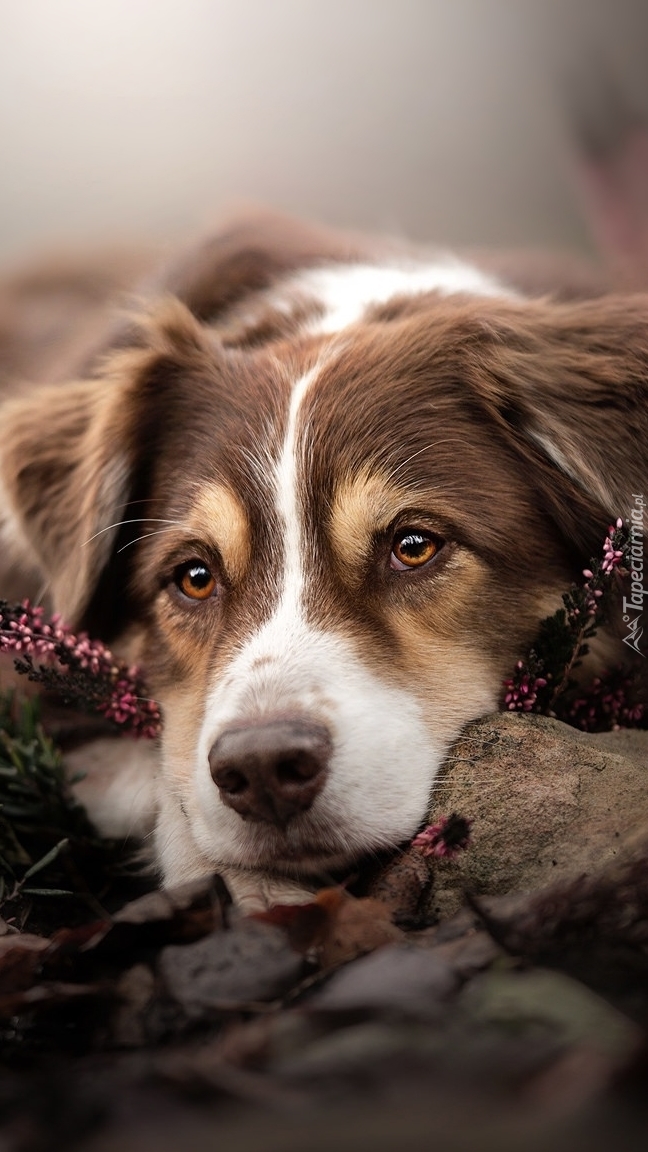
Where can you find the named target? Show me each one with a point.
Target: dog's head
(329, 515)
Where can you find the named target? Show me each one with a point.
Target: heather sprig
(585, 610)
(445, 839)
(606, 705)
(83, 672)
(523, 687)
(544, 682)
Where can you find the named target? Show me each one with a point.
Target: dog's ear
(74, 457)
(245, 254)
(568, 384)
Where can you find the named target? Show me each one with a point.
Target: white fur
(287, 502)
(380, 774)
(583, 475)
(553, 452)
(115, 780)
(345, 292)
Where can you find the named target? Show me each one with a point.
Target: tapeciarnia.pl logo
(633, 604)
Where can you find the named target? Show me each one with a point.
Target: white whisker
(434, 444)
(158, 532)
(136, 520)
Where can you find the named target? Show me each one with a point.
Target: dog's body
(324, 490)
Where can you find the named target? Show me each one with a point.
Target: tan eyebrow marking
(365, 505)
(362, 506)
(219, 518)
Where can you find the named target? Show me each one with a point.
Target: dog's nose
(271, 771)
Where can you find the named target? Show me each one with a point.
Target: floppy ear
(245, 254)
(569, 384)
(73, 457)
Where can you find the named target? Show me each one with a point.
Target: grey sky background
(439, 119)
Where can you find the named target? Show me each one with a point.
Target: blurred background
(438, 119)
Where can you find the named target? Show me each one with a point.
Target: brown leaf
(169, 903)
(135, 991)
(354, 926)
(305, 925)
(400, 977)
(44, 996)
(468, 955)
(23, 942)
(336, 925)
(20, 958)
(151, 922)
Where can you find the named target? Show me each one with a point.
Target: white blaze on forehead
(285, 631)
(288, 504)
(346, 291)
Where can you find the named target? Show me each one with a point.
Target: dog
(322, 488)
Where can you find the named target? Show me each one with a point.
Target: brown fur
(575, 372)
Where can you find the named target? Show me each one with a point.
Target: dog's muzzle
(272, 771)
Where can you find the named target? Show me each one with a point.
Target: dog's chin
(296, 855)
(305, 862)
(302, 849)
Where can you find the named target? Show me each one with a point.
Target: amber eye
(195, 580)
(412, 548)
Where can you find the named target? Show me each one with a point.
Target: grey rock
(546, 802)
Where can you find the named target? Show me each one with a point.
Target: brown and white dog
(323, 489)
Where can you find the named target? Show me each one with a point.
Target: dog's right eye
(413, 548)
(195, 580)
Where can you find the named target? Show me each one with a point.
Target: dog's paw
(114, 779)
(257, 891)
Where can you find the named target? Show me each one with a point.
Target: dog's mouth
(304, 846)
(322, 864)
(319, 866)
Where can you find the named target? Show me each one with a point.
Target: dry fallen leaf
(20, 957)
(355, 926)
(336, 927)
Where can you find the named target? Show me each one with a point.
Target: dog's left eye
(413, 548)
(195, 580)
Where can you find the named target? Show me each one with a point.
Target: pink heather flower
(522, 691)
(609, 701)
(612, 556)
(449, 836)
(81, 670)
(606, 704)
